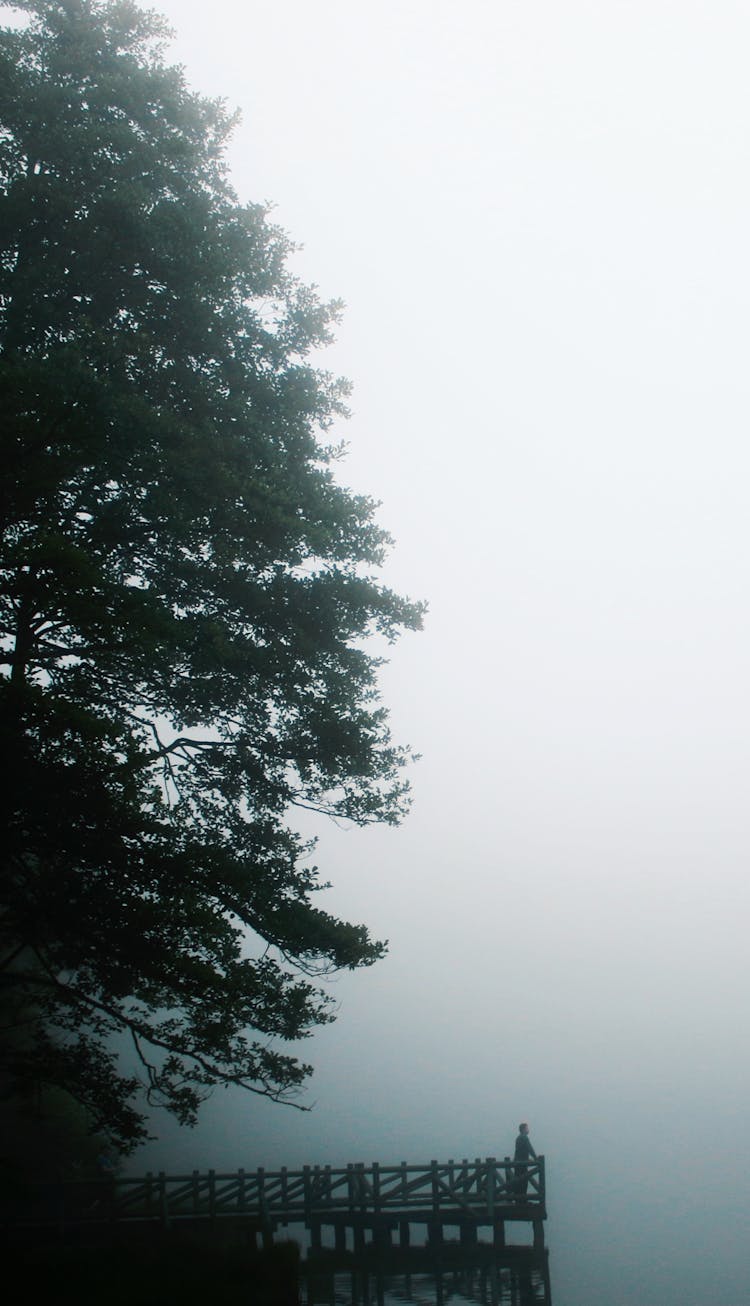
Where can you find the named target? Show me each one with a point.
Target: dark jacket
(524, 1151)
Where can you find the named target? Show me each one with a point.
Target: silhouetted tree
(185, 591)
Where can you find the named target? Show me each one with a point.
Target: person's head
(523, 1128)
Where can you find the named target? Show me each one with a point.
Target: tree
(185, 592)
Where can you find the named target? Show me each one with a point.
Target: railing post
(316, 1238)
(212, 1195)
(436, 1229)
(359, 1228)
(241, 1203)
(404, 1229)
(491, 1172)
(163, 1208)
(262, 1204)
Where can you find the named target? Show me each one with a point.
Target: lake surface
(491, 1283)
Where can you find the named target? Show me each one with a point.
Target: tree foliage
(185, 588)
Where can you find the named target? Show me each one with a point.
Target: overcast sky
(538, 216)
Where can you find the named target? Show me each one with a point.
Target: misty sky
(538, 215)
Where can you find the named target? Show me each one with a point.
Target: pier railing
(477, 1192)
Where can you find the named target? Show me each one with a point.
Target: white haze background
(538, 214)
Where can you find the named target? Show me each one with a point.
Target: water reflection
(524, 1281)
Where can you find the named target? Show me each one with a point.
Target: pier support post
(468, 1233)
(381, 1235)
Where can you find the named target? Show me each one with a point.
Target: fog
(538, 217)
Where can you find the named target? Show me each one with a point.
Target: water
(488, 1283)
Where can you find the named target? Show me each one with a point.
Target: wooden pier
(357, 1206)
(382, 1203)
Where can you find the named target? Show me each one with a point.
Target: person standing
(523, 1154)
